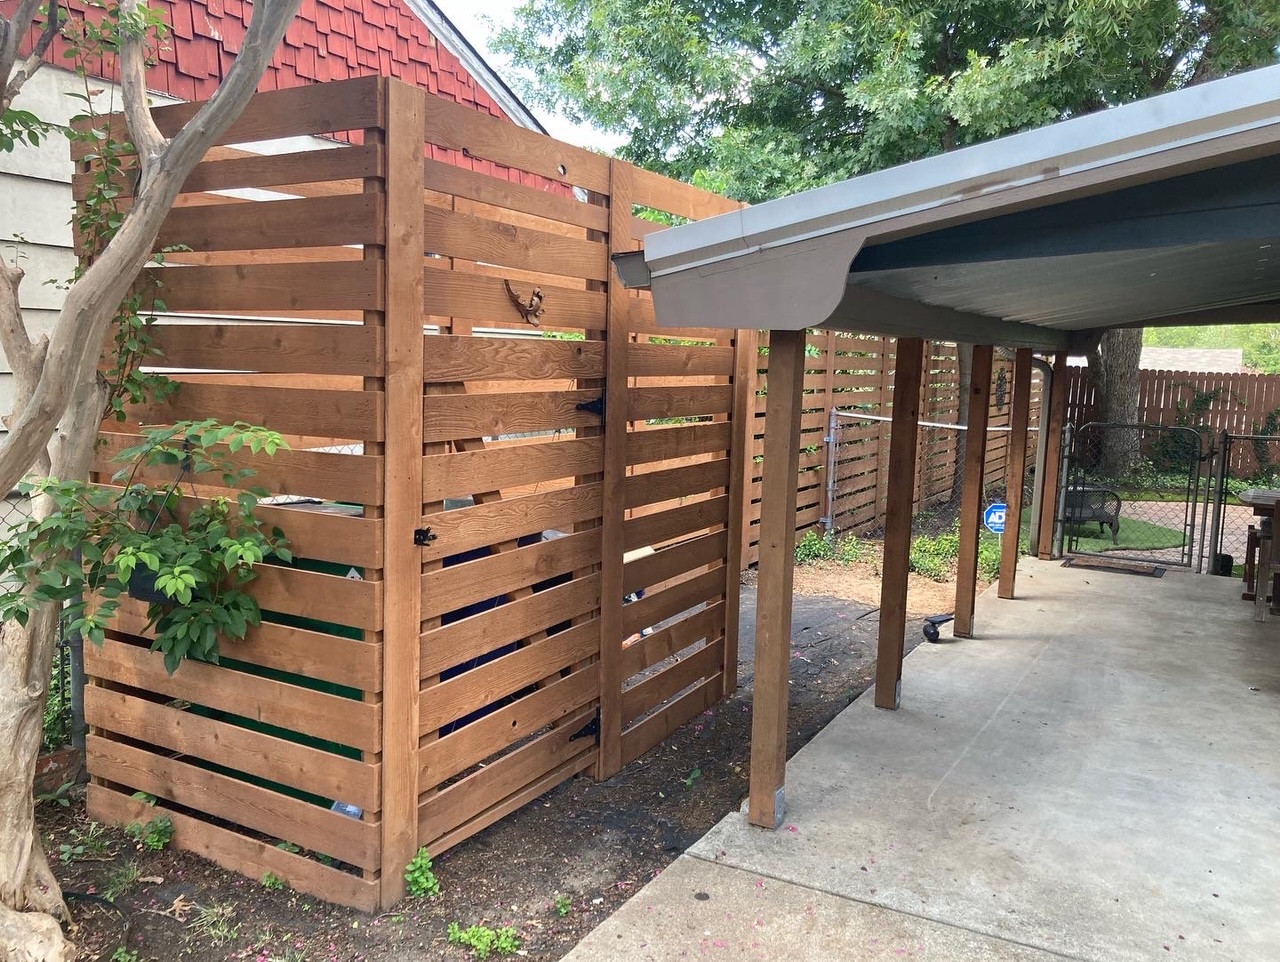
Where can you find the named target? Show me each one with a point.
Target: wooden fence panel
(261, 747)
(1241, 403)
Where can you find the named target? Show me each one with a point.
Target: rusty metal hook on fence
(530, 311)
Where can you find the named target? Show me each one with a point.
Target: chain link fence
(1136, 491)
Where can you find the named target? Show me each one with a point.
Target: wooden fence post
(975, 465)
(773, 595)
(897, 527)
(745, 359)
(1015, 472)
(1051, 438)
(405, 134)
(613, 510)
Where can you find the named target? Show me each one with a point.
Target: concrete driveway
(1095, 777)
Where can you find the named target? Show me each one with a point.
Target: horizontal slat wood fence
(522, 534)
(854, 373)
(523, 506)
(1240, 404)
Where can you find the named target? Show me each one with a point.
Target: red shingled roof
(328, 40)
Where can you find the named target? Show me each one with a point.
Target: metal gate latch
(423, 536)
(593, 407)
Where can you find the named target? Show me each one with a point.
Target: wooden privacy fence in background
(1236, 403)
(854, 373)
(517, 502)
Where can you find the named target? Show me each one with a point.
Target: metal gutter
(1146, 128)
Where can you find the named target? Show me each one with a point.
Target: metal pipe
(1219, 483)
(1063, 481)
(1037, 487)
(829, 521)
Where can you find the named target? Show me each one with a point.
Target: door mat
(1119, 567)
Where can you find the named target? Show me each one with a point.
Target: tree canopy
(759, 98)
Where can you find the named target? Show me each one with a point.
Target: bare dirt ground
(593, 843)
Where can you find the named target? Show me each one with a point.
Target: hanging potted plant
(191, 562)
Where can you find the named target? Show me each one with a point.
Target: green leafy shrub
(814, 547)
(849, 550)
(484, 941)
(154, 835)
(934, 556)
(419, 878)
(99, 543)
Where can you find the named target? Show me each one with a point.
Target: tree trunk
(1113, 368)
(30, 899)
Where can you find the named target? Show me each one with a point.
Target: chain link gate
(1136, 492)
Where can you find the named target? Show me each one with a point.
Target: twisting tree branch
(143, 132)
(82, 324)
(19, 77)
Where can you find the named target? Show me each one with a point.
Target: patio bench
(1086, 502)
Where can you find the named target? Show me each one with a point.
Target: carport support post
(773, 592)
(975, 466)
(1051, 438)
(1015, 471)
(897, 525)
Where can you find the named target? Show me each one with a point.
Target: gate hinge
(590, 730)
(423, 536)
(595, 407)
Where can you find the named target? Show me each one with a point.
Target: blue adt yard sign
(993, 518)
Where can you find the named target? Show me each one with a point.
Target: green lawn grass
(1134, 535)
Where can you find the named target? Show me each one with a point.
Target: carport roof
(1158, 212)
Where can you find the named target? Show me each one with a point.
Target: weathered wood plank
(461, 128)
(455, 587)
(252, 806)
(298, 766)
(248, 288)
(654, 690)
(497, 468)
(276, 224)
(239, 853)
(975, 456)
(678, 402)
(452, 357)
(484, 299)
(486, 684)
(454, 234)
(455, 180)
(272, 348)
(502, 521)
(466, 416)
(445, 757)
(355, 415)
(341, 720)
(466, 801)
(451, 645)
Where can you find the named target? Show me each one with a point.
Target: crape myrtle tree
(761, 98)
(61, 395)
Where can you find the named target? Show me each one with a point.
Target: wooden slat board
(483, 632)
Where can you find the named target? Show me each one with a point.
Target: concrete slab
(698, 910)
(1095, 776)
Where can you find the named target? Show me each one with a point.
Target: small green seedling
(272, 881)
(121, 954)
(154, 836)
(419, 878)
(564, 905)
(484, 941)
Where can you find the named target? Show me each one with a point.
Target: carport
(1162, 212)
